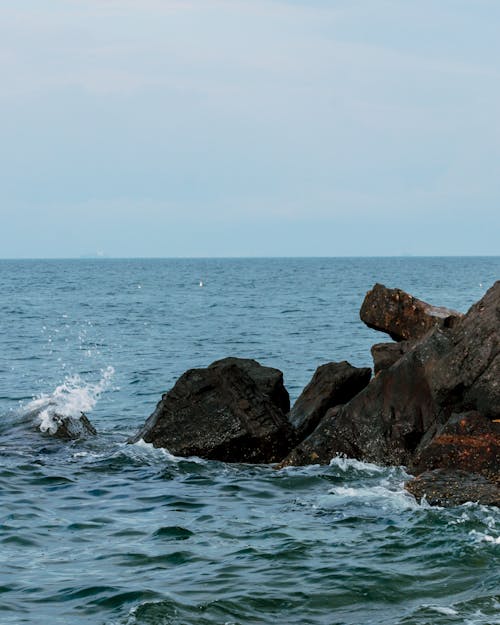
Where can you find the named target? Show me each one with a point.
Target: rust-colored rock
(443, 487)
(467, 441)
(401, 315)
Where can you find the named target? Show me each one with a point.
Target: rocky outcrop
(444, 487)
(230, 411)
(332, 384)
(401, 315)
(433, 406)
(452, 370)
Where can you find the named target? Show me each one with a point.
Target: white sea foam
(345, 464)
(443, 610)
(483, 537)
(382, 496)
(148, 450)
(69, 399)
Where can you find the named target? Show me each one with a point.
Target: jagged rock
(386, 354)
(72, 428)
(401, 315)
(332, 384)
(452, 370)
(222, 413)
(269, 381)
(467, 441)
(443, 487)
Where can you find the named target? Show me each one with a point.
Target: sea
(99, 532)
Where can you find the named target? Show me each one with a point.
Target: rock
(269, 381)
(222, 413)
(467, 441)
(332, 384)
(319, 447)
(443, 487)
(386, 354)
(401, 315)
(72, 428)
(452, 370)
(383, 423)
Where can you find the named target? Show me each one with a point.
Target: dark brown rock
(452, 370)
(220, 413)
(443, 487)
(467, 441)
(268, 380)
(401, 315)
(332, 384)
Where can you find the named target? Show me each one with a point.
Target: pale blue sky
(249, 128)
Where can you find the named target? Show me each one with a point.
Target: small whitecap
(441, 609)
(378, 496)
(483, 537)
(161, 453)
(345, 464)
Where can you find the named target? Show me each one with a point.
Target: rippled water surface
(100, 532)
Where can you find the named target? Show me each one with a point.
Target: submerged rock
(230, 411)
(401, 315)
(332, 384)
(443, 487)
(73, 428)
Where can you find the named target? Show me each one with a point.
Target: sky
(194, 128)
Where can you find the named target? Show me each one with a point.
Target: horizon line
(104, 257)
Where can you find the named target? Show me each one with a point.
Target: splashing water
(70, 399)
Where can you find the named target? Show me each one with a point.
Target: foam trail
(69, 399)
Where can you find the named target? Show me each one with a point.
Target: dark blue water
(98, 532)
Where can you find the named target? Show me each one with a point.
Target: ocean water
(100, 532)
